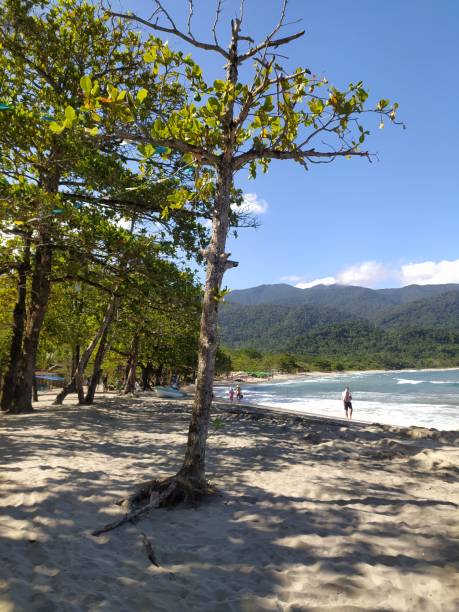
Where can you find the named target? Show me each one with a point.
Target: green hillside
(371, 304)
(364, 329)
(440, 311)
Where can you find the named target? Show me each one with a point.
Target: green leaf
(92, 131)
(86, 85)
(141, 95)
(148, 150)
(150, 55)
(70, 114)
(57, 128)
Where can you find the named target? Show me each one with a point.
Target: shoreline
(284, 377)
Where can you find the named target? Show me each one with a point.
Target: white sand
(310, 516)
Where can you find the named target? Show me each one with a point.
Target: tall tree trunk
(97, 370)
(132, 363)
(19, 317)
(76, 382)
(75, 358)
(147, 372)
(158, 373)
(40, 290)
(34, 390)
(193, 467)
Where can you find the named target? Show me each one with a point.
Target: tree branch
(173, 30)
(190, 17)
(172, 143)
(296, 154)
(268, 43)
(217, 16)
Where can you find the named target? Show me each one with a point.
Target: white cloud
(430, 273)
(373, 274)
(290, 279)
(366, 273)
(124, 223)
(251, 204)
(327, 280)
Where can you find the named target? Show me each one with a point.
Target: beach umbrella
(4, 106)
(58, 211)
(160, 149)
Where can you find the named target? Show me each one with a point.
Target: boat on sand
(170, 392)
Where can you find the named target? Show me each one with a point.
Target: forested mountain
(267, 326)
(441, 311)
(353, 326)
(360, 301)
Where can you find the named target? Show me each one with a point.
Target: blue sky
(389, 223)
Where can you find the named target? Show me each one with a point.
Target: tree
(222, 128)
(50, 180)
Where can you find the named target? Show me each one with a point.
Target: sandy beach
(310, 514)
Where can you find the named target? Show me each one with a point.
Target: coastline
(381, 396)
(310, 514)
(224, 381)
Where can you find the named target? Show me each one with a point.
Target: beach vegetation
(66, 195)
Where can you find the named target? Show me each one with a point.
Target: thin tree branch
(268, 43)
(172, 143)
(175, 32)
(296, 154)
(190, 17)
(217, 16)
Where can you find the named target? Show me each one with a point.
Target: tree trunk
(158, 373)
(97, 370)
(76, 383)
(34, 390)
(193, 468)
(132, 365)
(40, 290)
(19, 316)
(75, 359)
(147, 372)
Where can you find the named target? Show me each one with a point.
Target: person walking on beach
(346, 396)
(231, 394)
(239, 395)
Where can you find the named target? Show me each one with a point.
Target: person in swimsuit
(347, 401)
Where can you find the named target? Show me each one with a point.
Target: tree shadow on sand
(356, 530)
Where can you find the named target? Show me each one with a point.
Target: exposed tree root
(149, 549)
(166, 493)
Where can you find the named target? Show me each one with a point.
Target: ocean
(427, 398)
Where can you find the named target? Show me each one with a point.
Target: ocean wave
(408, 381)
(441, 416)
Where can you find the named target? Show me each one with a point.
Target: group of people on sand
(346, 397)
(237, 393)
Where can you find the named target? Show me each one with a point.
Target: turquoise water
(428, 398)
